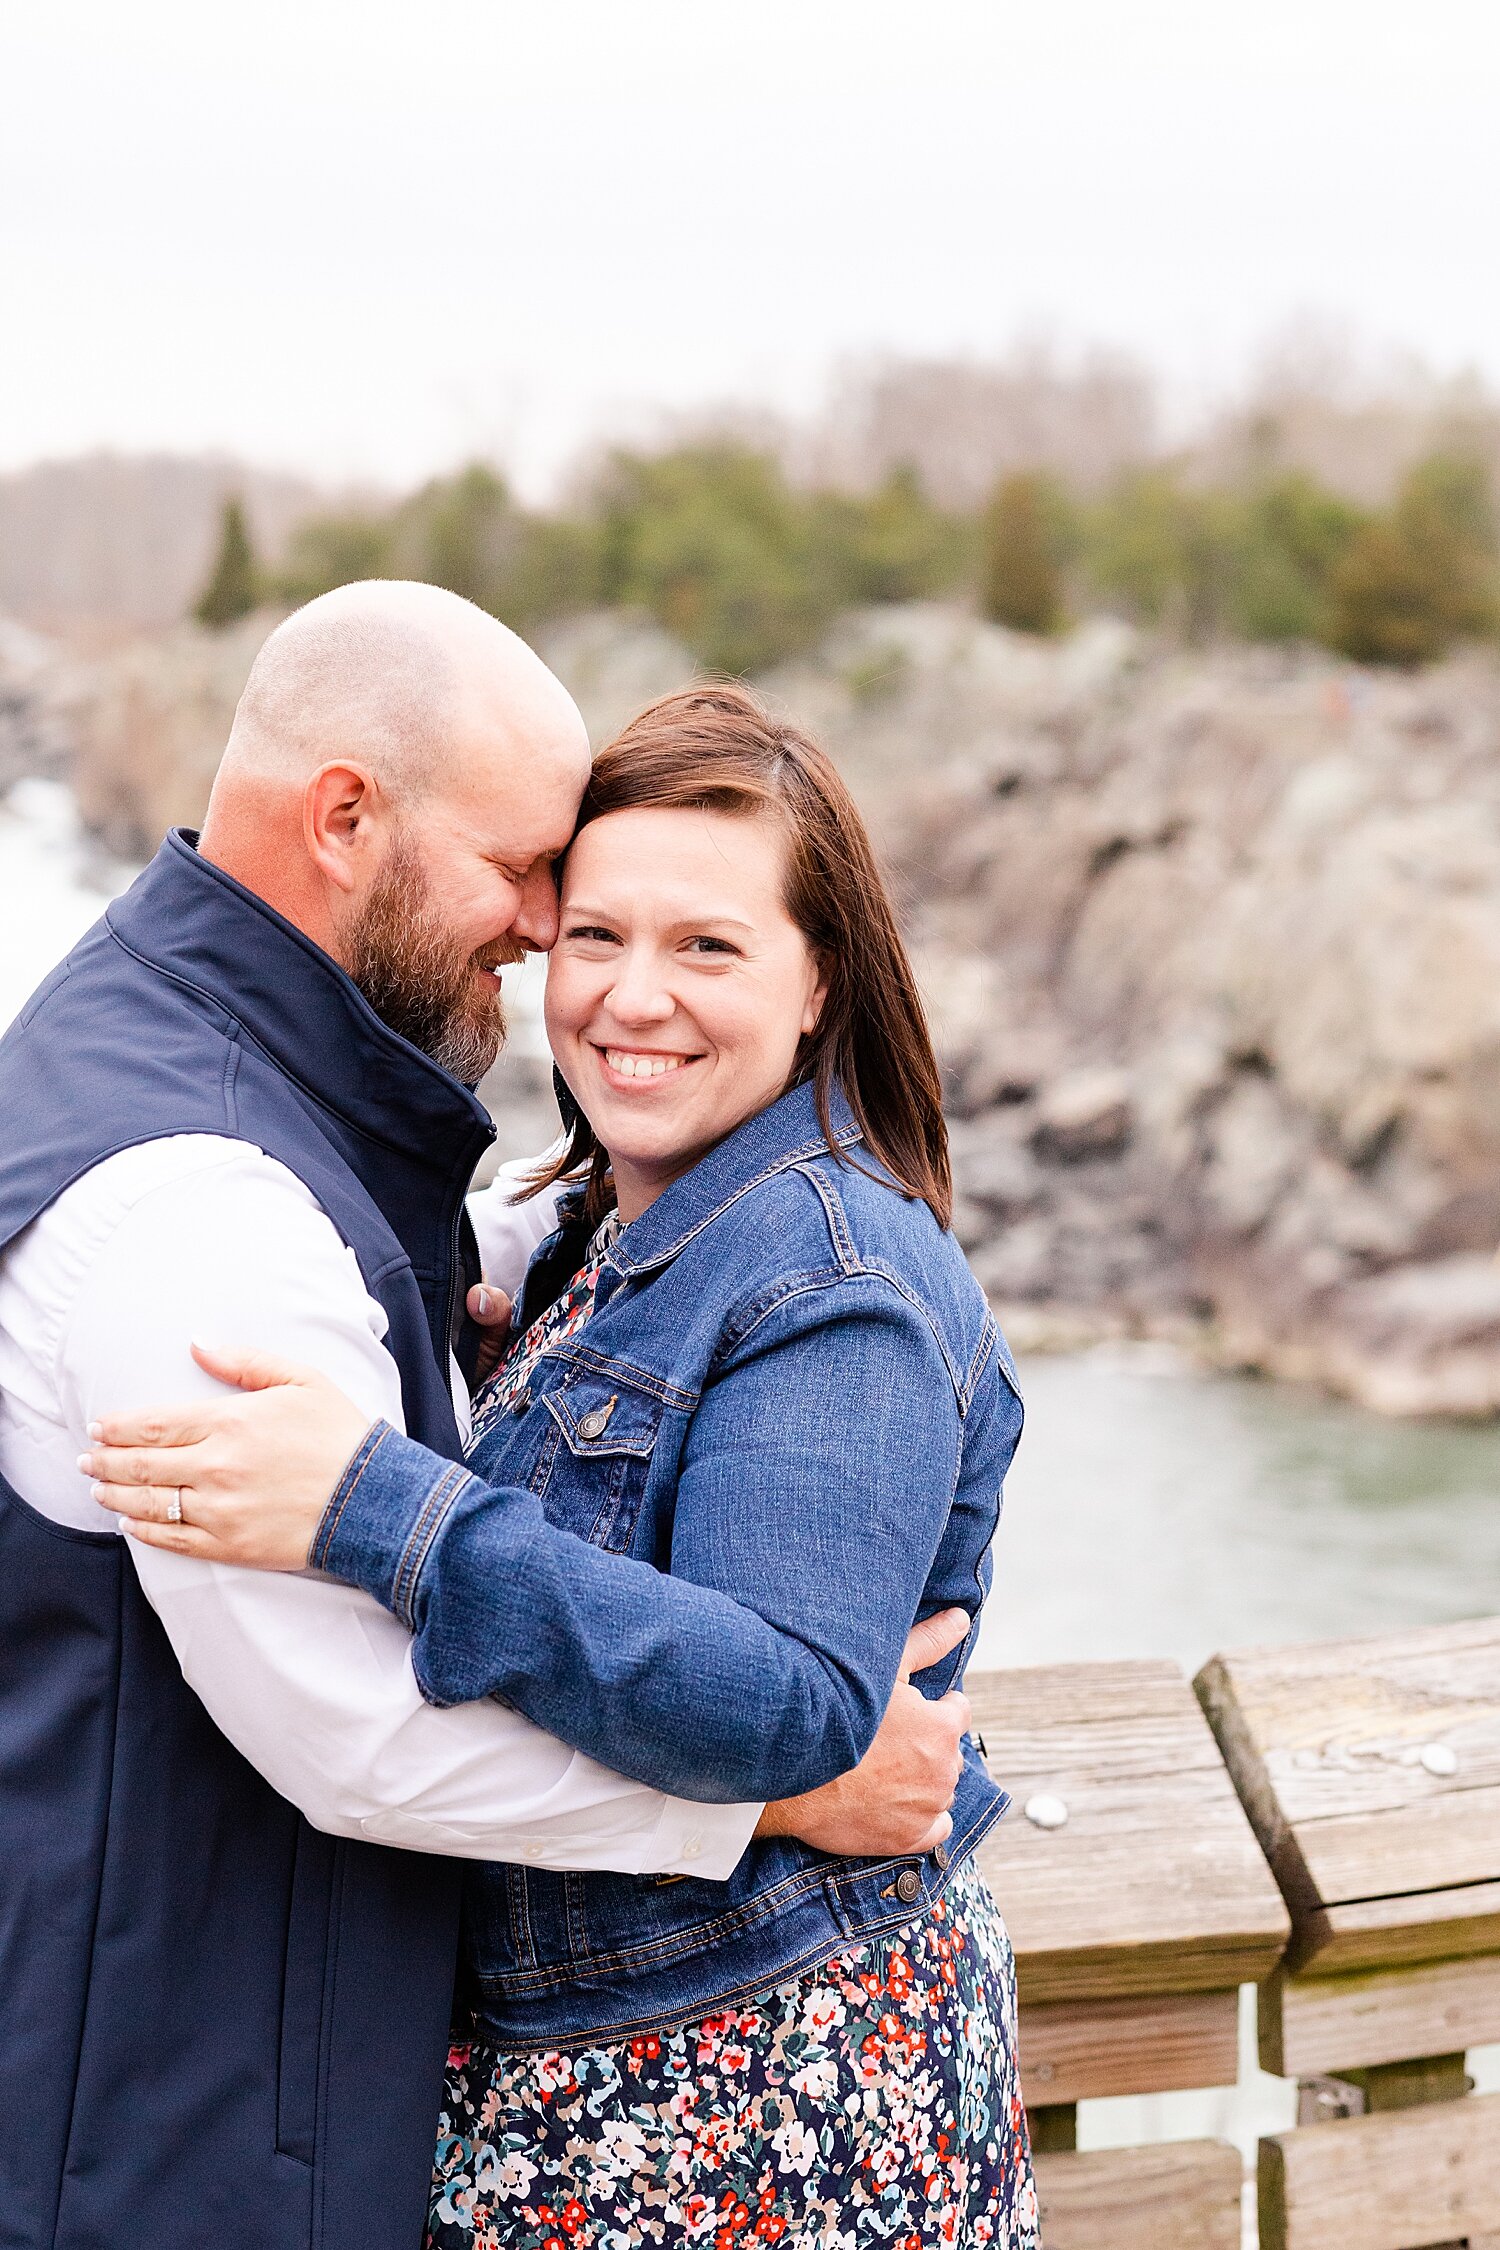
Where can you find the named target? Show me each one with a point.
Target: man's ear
(342, 807)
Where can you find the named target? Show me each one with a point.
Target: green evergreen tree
(233, 586)
(1021, 582)
(1423, 575)
(715, 545)
(1293, 537)
(329, 551)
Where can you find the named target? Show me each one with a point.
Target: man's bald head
(407, 679)
(401, 775)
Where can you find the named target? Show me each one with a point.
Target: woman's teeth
(641, 1066)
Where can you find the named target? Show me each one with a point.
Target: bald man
(241, 1111)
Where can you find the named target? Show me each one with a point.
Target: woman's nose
(639, 994)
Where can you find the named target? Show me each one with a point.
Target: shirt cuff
(380, 1526)
(707, 1841)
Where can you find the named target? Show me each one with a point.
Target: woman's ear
(812, 1014)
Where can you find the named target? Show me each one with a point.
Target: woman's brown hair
(716, 748)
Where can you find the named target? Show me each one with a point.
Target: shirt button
(908, 1886)
(692, 1848)
(940, 1858)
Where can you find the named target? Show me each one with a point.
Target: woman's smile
(640, 1067)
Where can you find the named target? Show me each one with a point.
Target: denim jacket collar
(773, 1140)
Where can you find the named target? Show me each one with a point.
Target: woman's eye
(701, 945)
(594, 932)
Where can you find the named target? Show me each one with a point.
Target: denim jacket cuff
(382, 1522)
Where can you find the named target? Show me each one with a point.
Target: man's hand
(896, 1800)
(489, 1309)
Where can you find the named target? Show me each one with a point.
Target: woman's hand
(251, 1475)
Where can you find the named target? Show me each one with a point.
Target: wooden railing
(1322, 1823)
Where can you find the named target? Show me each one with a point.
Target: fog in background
(361, 243)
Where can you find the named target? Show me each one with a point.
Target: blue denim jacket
(694, 1550)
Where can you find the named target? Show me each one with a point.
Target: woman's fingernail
(484, 1303)
(86, 1464)
(95, 1429)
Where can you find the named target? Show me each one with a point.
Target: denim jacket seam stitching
(344, 1491)
(805, 1284)
(789, 1161)
(750, 1987)
(827, 1194)
(989, 1337)
(434, 1513)
(788, 1891)
(542, 1467)
(920, 1305)
(580, 1355)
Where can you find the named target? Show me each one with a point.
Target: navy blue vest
(217, 2027)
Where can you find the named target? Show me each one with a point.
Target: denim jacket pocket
(594, 1478)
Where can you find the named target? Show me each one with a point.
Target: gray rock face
(1214, 947)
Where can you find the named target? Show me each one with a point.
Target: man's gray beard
(405, 963)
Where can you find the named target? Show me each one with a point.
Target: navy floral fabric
(872, 2101)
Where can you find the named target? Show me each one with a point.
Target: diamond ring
(174, 1506)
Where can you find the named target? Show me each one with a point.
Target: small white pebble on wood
(1438, 1758)
(1046, 1812)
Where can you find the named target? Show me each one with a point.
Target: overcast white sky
(367, 239)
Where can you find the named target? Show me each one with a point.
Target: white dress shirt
(198, 1238)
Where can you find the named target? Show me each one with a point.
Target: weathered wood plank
(1182, 2193)
(1369, 1768)
(1322, 2026)
(1392, 2182)
(1077, 2050)
(1155, 1883)
(1441, 1839)
(1371, 1933)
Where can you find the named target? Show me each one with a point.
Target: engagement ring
(174, 1506)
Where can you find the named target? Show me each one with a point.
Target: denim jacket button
(593, 1425)
(520, 1403)
(940, 1858)
(908, 1886)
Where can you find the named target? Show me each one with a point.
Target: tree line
(748, 568)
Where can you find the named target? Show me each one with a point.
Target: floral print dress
(873, 2100)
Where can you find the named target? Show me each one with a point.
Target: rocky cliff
(1215, 942)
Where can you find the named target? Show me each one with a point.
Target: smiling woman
(704, 964)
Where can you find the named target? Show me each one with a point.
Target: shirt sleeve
(508, 1232)
(310, 1680)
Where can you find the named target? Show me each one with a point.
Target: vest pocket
(300, 2063)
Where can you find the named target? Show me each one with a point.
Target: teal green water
(1156, 1511)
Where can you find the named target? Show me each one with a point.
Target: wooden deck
(1321, 1822)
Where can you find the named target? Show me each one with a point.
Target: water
(1157, 1511)
(1152, 1511)
(51, 886)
